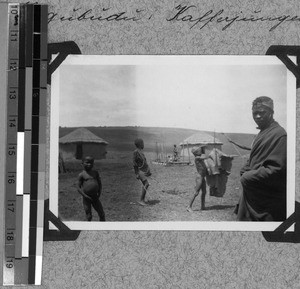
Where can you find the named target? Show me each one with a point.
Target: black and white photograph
(172, 142)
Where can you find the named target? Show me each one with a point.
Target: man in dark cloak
(264, 177)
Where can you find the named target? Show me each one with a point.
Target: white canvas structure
(198, 139)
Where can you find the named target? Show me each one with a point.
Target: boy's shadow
(153, 202)
(219, 207)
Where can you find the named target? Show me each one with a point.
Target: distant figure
(141, 168)
(200, 156)
(264, 176)
(90, 187)
(175, 153)
(61, 164)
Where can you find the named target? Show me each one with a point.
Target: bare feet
(189, 209)
(142, 203)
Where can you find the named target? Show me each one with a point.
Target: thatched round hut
(80, 143)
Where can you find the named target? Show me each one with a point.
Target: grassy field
(171, 188)
(121, 139)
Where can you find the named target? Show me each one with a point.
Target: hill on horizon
(122, 138)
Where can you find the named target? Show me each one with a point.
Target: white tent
(198, 139)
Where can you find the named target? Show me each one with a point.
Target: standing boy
(199, 153)
(141, 168)
(89, 186)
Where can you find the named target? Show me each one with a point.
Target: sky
(178, 92)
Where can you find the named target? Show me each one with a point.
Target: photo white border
(178, 60)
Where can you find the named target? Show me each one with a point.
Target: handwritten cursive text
(188, 14)
(78, 14)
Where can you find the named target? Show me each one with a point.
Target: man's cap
(263, 102)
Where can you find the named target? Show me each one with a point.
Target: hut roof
(201, 138)
(81, 135)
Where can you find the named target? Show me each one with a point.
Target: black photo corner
(63, 233)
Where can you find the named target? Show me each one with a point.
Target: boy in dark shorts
(141, 168)
(199, 153)
(90, 187)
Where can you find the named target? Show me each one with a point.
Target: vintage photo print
(172, 142)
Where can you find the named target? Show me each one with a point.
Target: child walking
(89, 186)
(141, 168)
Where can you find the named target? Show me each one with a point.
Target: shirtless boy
(89, 186)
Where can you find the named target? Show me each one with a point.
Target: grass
(121, 139)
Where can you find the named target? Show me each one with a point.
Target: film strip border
(25, 143)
